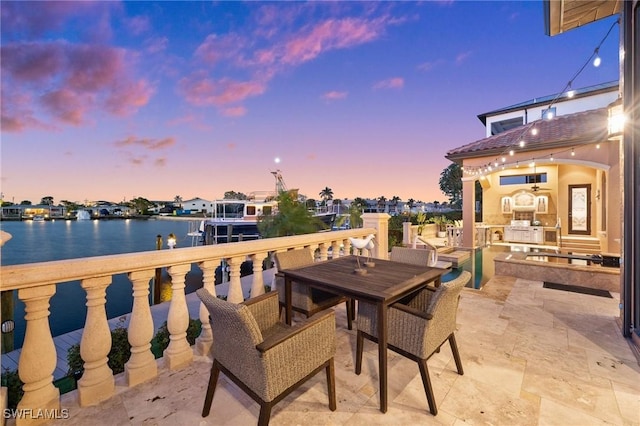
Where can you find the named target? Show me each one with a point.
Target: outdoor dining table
(383, 284)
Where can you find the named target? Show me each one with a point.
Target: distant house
(197, 205)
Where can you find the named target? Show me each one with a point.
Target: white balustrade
(36, 284)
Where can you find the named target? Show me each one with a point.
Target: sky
(117, 100)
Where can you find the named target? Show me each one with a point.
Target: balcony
(531, 355)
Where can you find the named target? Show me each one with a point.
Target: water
(66, 239)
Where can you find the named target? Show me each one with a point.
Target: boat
(38, 218)
(83, 215)
(237, 219)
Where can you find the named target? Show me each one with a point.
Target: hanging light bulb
(573, 153)
(534, 131)
(570, 93)
(522, 144)
(532, 163)
(597, 60)
(504, 159)
(517, 164)
(511, 152)
(598, 146)
(551, 157)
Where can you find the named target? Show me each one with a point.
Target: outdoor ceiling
(563, 15)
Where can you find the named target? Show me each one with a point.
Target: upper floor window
(523, 179)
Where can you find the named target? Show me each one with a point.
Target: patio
(531, 356)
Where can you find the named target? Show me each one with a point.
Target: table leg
(382, 354)
(287, 300)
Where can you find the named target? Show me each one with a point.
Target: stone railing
(36, 283)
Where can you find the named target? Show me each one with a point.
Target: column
(468, 212)
(379, 221)
(178, 354)
(38, 355)
(257, 285)
(235, 294)
(97, 383)
(142, 364)
(205, 340)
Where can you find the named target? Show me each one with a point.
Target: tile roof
(565, 130)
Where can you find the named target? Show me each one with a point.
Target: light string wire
(510, 150)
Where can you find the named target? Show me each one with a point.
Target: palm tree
(411, 203)
(326, 194)
(382, 203)
(394, 202)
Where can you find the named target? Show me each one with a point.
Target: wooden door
(580, 209)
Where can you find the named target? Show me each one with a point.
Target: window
(504, 125)
(549, 113)
(523, 179)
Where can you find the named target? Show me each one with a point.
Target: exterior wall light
(7, 326)
(616, 119)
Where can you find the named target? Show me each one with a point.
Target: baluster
(38, 356)
(235, 294)
(97, 382)
(347, 247)
(205, 340)
(257, 285)
(324, 251)
(178, 354)
(335, 249)
(142, 364)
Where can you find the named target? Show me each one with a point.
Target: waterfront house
(198, 205)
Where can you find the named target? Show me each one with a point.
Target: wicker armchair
(417, 328)
(410, 255)
(264, 357)
(305, 299)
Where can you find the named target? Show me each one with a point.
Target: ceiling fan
(535, 187)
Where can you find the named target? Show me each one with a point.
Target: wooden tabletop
(386, 281)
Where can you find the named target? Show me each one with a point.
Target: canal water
(66, 239)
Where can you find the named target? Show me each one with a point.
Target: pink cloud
(231, 146)
(462, 57)
(138, 25)
(157, 44)
(66, 105)
(36, 19)
(334, 95)
(215, 48)
(202, 91)
(237, 111)
(428, 66)
(67, 81)
(390, 83)
(329, 35)
(160, 162)
(146, 143)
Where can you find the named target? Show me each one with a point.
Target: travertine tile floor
(532, 356)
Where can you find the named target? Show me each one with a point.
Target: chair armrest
(412, 311)
(265, 309)
(304, 327)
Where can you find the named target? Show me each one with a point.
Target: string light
(549, 114)
(597, 61)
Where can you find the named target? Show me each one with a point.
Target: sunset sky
(116, 100)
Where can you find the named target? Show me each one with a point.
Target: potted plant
(441, 222)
